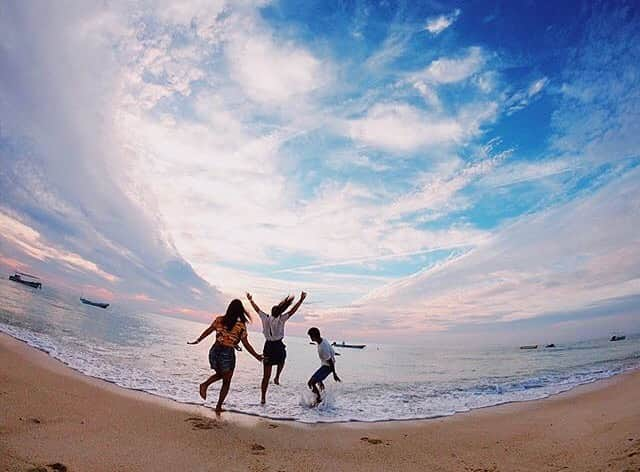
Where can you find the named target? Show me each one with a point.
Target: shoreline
(54, 414)
(245, 416)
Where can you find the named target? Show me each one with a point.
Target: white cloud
(438, 192)
(517, 172)
(523, 98)
(401, 128)
(447, 70)
(273, 73)
(565, 259)
(428, 93)
(437, 24)
(392, 47)
(31, 243)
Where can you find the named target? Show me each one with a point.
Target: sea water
(148, 352)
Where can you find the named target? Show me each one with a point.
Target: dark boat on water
(350, 346)
(532, 346)
(89, 302)
(618, 338)
(26, 279)
(550, 345)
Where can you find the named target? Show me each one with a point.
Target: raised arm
(253, 304)
(204, 334)
(295, 307)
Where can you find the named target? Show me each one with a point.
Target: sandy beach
(53, 418)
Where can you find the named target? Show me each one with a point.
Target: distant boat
(31, 280)
(89, 302)
(350, 346)
(550, 345)
(617, 338)
(531, 346)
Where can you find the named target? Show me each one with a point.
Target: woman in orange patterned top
(230, 329)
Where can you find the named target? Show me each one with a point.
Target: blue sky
(432, 166)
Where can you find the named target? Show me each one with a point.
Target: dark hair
(314, 332)
(235, 312)
(280, 308)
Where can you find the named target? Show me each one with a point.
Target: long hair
(280, 308)
(235, 312)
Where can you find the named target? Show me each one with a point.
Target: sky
(419, 168)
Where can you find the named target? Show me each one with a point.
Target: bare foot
(203, 391)
(263, 401)
(219, 409)
(276, 381)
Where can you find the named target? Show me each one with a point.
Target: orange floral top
(229, 337)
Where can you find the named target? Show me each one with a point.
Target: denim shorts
(321, 374)
(222, 358)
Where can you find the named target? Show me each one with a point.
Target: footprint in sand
(58, 467)
(372, 440)
(31, 420)
(203, 423)
(272, 426)
(257, 448)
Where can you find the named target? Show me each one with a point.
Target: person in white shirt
(274, 350)
(327, 360)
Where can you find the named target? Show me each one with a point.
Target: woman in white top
(274, 351)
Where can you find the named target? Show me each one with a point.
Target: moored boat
(26, 279)
(89, 302)
(617, 338)
(530, 346)
(350, 346)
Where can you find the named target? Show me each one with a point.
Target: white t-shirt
(273, 328)
(326, 353)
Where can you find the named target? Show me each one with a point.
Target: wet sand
(53, 418)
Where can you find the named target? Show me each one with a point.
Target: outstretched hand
(303, 295)
(336, 378)
(249, 297)
(192, 342)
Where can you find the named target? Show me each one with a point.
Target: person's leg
(314, 389)
(278, 372)
(205, 385)
(266, 376)
(226, 383)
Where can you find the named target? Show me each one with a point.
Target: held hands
(259, 357)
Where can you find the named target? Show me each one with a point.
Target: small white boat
(350, 346)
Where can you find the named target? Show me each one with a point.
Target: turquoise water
(382, 382)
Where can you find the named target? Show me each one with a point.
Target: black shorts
(274, 352)
(222, 358)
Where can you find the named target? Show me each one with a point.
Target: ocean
(148, 352)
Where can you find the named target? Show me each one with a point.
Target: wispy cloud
(556, 261)
(448, 70)
(437, 24)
